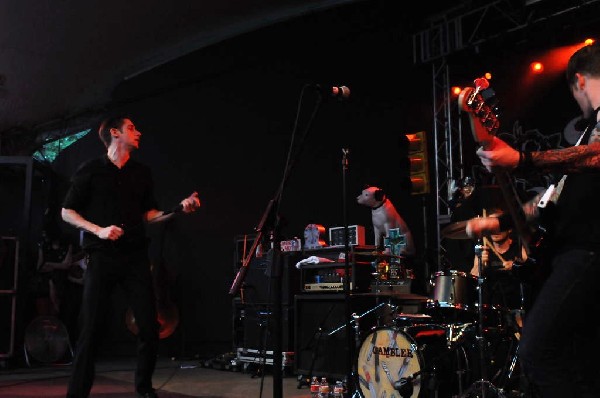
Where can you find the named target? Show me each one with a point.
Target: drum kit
(458, 346)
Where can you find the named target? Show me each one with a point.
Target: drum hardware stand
(356, 326)
(377, 276)
(404, 386)
(393, 308)
(515, 355)
(482, 385)
(510, 368)
(355, 320)
(394, 311)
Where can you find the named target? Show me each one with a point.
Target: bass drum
(412, 362)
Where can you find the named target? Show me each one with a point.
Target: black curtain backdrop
(220, 122)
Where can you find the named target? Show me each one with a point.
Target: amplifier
(325, 287)
(356, 235)
(329, 276)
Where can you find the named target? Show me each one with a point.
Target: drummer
(499, 253)
(464, 204)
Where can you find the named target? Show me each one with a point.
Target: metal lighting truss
(467, 25)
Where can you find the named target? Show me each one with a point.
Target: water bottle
(338, 389)
(314, 387)
(324, 388)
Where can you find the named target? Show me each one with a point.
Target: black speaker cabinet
(257, 286)
(321, 347)
(254, 324)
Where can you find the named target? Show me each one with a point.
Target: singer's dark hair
(586, 60)
(110, 122)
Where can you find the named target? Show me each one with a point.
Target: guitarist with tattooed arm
(560, 343)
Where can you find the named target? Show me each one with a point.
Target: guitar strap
(553, 192)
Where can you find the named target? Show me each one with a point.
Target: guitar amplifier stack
(253, 321)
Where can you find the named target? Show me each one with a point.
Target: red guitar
(478, 102)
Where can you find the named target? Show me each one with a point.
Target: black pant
(105, 270)
(559, 348)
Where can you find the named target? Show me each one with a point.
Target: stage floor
(172, 379)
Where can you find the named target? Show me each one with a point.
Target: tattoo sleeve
(575, 159)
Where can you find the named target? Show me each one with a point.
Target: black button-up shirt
(106, 195)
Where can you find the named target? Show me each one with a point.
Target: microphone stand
(352, 370)
(270, 219)
(483, 384)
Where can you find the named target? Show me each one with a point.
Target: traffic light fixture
(419, 170)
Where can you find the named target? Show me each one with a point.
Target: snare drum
(405, 362)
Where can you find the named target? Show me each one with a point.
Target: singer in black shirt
(111, 198)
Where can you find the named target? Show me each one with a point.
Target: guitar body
(166, 309)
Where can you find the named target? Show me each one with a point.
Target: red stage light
(537, 67)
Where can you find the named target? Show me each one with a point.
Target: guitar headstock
(480, 102)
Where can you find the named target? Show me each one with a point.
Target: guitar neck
(515, 209)
(479, 103)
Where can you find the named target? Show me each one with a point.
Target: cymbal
(395, 295)
(456, 230)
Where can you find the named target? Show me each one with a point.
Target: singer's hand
(110, 233)
(191, 203)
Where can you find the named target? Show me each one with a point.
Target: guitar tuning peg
(481, 83)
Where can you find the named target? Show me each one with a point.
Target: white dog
(385, 217)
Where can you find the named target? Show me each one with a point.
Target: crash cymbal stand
(514, 329)
(355, 322)
(482, 387)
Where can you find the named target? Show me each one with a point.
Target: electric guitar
(481, 105)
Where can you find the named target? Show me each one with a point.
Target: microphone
(404, 386)
(176, 209)
(339, 92)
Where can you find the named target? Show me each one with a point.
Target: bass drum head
(386, 356)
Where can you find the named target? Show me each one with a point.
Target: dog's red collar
(381, 204)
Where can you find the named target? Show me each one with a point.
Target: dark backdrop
(221, 122)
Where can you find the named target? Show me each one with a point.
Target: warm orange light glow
(456, 90)
(488, 75)
(537, 67)
(415, 142)
(589, 42)
(554, 63)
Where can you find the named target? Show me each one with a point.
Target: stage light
(536, 67)
(419, 170)
(488, 75)
(589, 42)
(455, 90)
